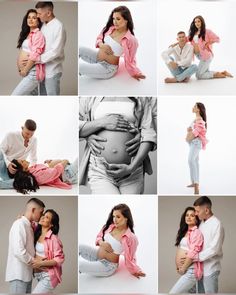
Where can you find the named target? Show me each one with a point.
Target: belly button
(114, 151)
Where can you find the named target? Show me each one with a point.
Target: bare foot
(219, 75)
(170, 80)
(227, 74)
(196, 189)
(190, 185)
(186, 80)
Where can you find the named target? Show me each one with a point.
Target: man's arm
(186, 62)
(33, 152)
(166, 55)
(57, 47)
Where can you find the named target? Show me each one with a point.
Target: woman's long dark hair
(24, 182)
(125, 211)
(193, 29)
(25, 29)
(202, 111)
(55, 225)
(125, 12)
(183, 227)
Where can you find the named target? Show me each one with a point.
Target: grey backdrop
(11, 16)
(170, 210)
(67, 208)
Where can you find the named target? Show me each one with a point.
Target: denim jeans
(185, 282)
(209, 284)
(203, 69)
(70, 174)
(20, 287)
(89, 263)
(182, 73)
(27, 84)
(5, 181)
(51, 86)
(94, 68)
(44, 284)
(193, 159)
(101, 183)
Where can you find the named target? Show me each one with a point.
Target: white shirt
(20, 251)
(211, 254)
(182, 56)
(13, 147)
(53, 56)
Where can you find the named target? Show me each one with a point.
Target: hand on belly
(108, 57)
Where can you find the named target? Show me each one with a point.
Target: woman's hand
(189, 129)
(106, 246)
(94, 144)
(117, 170)
(182, 270)
(139, 274)
(23, 73)
(139, 76)
(115, 122)
(106, 48)
(196, 48)
(38, 262)
(133, 144)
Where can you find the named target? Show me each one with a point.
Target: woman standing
(189, 242)
(116, 39)
(31, 43)
(196, 137)
(115, 238)
(49, 253)
(202, 40)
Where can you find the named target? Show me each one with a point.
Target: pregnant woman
(31, 44)
(115, 238)
(49, 253)
(196, 137)
(202, 40)
(115, 120)
(116, 39)
(189, 242)
(55, 173)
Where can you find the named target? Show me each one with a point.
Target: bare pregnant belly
(180, 253)
(111, 59)
(102, 254)
(23, 55)
(114, 148)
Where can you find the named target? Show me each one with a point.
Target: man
(21, 249)
(178, 59)
(55, 37)
(211, 254)
(17, 145)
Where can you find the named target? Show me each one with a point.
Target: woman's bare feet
(227, 74)
(196, 189)
(219, 75)
(190, 185)
(170, 80)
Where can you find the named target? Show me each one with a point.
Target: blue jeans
(182, 73)
(185, 282)
(94, 68)
(203, 69)
(44, 283)
(5, 181)
(51, 86)
(27, 84)
(209, 284)
(70, 174)
(193, 159)
(89, 263)
(20, 287)
(101, 183)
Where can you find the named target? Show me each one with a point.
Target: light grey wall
(11, 16)
(170, 210)
(67, 208)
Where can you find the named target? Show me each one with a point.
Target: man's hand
(173, 65)
(12, 168)
(94, 145)
(133, 144)
(37, 262)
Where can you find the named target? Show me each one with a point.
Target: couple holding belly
(127, 130)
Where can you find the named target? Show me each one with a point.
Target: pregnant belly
(180, 253)
(23, 55)
(114, 148)
(110, 58)
(103, 254)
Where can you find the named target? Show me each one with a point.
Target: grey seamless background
(11, 16)
(170, 210)
(66, 207)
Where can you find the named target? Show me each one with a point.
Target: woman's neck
(121, 30)
(32, 28)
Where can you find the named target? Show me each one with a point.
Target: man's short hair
(45, 4)
(203, 201)
(30, 125)
(180, 32)
(37, 201)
